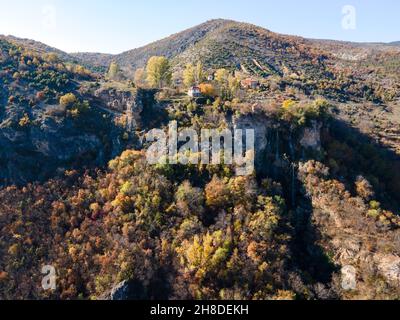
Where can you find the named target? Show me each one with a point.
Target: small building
(250, 83)
(194, 92)
(210, 77)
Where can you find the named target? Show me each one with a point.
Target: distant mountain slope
(169, 47)
(353, 51)
(260, 52)
(225, 43)
(93, 61)
(37, 46)
(38, 134)
(323, 194)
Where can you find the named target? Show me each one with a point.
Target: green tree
(188, 76)
(222, 77)
(114, 71)
(199, 73)
(190, 200)
(228, 85)
(158, 72)
(193, 75)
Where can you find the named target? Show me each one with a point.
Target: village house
(194, 92)
(250, 83)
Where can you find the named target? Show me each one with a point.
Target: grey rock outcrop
(260, 125)
(124, 103)
(312, 136)
(53, 141)
(48, 144)
(120, 292)
(129, 103)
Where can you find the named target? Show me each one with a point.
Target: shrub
(301, 112)
(67, 100)
(24, 121)
(207, 89)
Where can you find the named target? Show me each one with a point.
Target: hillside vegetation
(78, 193)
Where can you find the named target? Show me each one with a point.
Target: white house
(194, 92)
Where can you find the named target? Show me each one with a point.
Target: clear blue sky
(114, 26)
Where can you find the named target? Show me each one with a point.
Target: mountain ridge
(176, 44)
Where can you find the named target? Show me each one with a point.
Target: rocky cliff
(50, 141)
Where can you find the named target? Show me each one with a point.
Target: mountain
(227, 43)
(39, 134)
(37, 47)
(224, 43)
(316, 218)
(172, 46)
(95, 61)
(265, 54)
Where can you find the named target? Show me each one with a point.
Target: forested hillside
(79, 194)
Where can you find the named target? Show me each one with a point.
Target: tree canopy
(158, 72)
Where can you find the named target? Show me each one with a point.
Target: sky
(114, 26)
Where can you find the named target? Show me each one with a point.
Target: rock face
(312, 136)
(48, 144)
(274, 140)
(127, 290)
(123, 102)
(52, 142)
(120, 292)
(353, 238)
(260, 125)
(389, 267)
(128, 103)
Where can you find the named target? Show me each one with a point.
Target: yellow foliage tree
(113, 71)
(207, 89)
(81, 70)
(158, 72)
(222, 76)
(229, 85)
(217, 194)
(24, 121)
(68, 100)
(52, 57)
(193, 75)
(140, 77)
(199, 73)
(204, 253)
(188, 76)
